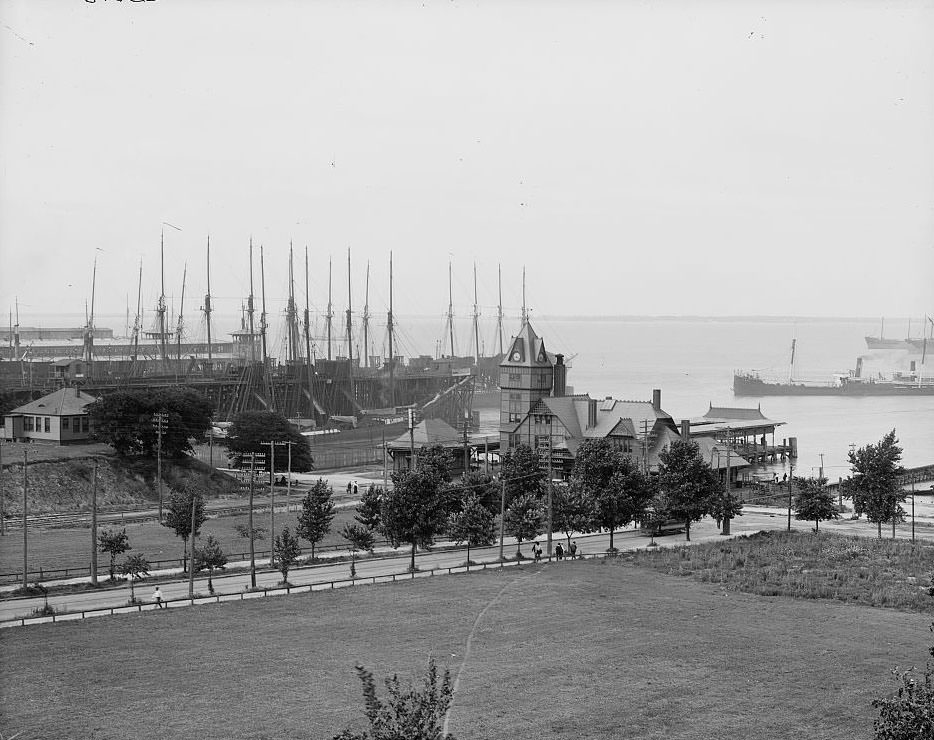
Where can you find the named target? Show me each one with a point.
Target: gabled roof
(62, 402)
(717, 460)
(430, 432)
(527, 349)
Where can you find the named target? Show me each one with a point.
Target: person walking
(559, 552)
(355, 488)
(537, 551)
(573, 549)
(157, 597)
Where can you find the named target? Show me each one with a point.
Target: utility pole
(726, 517)
(502, 516)
(191, 555)
(2, 515)
(550, 488)
(253, 456)
(272, 503)
(288, 481)
(791, 478)
(94, 525)
(913, 510)
(161, 420)
(466, 443)
(25, 512)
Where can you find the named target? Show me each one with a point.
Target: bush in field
(210, 557)
(287, 550)
(409, 713)
(113, 543)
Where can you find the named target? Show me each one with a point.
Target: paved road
(397, 562)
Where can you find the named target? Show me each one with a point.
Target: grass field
(891, 573)
(66, 548)
(573, 650)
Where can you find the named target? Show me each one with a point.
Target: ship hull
(880, 343)
(751, 386)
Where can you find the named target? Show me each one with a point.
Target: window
(48, 424)
(27, 424)
(38, 423)
(65, 420)
(85, 424)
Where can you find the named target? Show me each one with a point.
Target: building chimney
(685, 429)
(560, 382)
(657, 399)
(591, 413)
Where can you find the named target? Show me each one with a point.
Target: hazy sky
(637, 157)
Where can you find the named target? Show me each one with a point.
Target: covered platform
(748, 432)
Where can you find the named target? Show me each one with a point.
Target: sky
(677, 158)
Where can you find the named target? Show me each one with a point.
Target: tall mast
(451, 308)
(160, 309)
(389, 327)
(249, 310)
(10, 337)
(330, 314)
(291, 314)
(262, 315)
(366, 319)
(16, 345)
(307, 318)
(349, 324)
(525, 311)
(499, 308)
(89, 331)
(207, 305)
(476, 316)
(181, 312)
(138, 323)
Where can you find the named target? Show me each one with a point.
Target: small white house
(58, 418)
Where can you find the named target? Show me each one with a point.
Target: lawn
(68, 548)
(573, 650)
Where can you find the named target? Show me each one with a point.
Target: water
(692, 360)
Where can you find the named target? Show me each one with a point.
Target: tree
(360, 538)
(114, 543)
(814, 503)
(724, 505)
(485, 488)
(474, 524)
(134, 567)
(368, 509)
(524, 520)
(287, 549)
(123, 420)
(572, 509)
(314, 520)
(210, 557)
(521, 473)
(874, 485)
(178, 515)
(252, 431)
(416, 509)
(408, 714)
(613, 482)
(688, 481)
(435, 461)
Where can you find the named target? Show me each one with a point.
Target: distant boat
(909, 344)
(750, 384)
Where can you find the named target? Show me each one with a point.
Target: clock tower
(526, 374)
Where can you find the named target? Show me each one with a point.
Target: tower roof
(527, 349)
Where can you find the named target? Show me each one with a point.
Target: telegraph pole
(791, 477)
(272, 503)
(253, 456)
(161, 420)
(2, 516)
(502, 515)
(191, 557)
(726, 515)
(94, 525)
(550, 489)
(25, 508)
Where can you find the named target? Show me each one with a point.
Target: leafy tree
(134, 567)
(874, 484)
(114, 543)
(724, 505)
(369, 507)
(416, 509)
(572, 509)
(688, 481)
(656, 513)
(287, 549)
(252, 431)
(474, 524)
(210, 557)
(485, 488)
(521, 473)
(178, 515)
(435, 461)
(814, 503)
(360, 538)
(408, 714)
(123, 420)
(314, 520)
(613, 482)
(524, 519)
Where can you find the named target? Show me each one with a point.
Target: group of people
(352, 488)
(559, 551)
